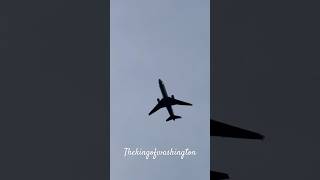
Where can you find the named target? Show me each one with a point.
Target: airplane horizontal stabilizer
(174, 117)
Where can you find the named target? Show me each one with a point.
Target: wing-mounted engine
(172, 96)
(158, 99)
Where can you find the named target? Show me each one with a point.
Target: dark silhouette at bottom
(224, 130)
(217, 175)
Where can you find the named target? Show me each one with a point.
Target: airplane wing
(156, 108)
(225, 130)
(178, 102)
(217, 175)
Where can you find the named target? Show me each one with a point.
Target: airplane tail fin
(174, 117)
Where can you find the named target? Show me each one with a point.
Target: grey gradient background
(54, 90)
(267, 79)
(153, 39)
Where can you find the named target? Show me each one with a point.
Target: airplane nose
(160, 81)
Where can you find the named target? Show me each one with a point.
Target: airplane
(167, 102)
(224, 130)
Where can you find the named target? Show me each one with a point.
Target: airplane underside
(167, 102)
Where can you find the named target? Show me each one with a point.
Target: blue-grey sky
(152, 39)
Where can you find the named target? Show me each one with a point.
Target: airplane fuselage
(163, 89)
(165, 95)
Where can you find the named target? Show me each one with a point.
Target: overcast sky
(167, 39)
